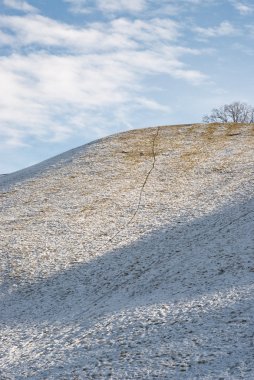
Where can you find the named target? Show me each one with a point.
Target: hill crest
(132, 257)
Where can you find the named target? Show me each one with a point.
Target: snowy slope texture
(132, 258)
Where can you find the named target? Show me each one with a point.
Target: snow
(132, 258)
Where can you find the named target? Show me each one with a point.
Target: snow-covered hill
(132, 258)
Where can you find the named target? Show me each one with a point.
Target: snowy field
(131, 258)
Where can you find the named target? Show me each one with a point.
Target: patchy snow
(132, 258)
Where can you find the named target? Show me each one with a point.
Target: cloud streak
(224, 29)
(135, 7)
(59, 71)
(243, 8)
(20, 5)
(107, 6)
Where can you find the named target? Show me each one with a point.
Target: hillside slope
(132, 258)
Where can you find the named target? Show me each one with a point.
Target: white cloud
(84, 6)
(159, 30)
(162, 7)
(43, 31)
(94, 70)
(243, 8)
(79, 6)
(225, 28)
(20, 5)
(152, 105)
(6, 39)
(121, 5)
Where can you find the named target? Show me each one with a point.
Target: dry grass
(99, 191)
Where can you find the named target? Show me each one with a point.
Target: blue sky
(72, 71)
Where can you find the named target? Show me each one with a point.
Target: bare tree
(231, 113)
